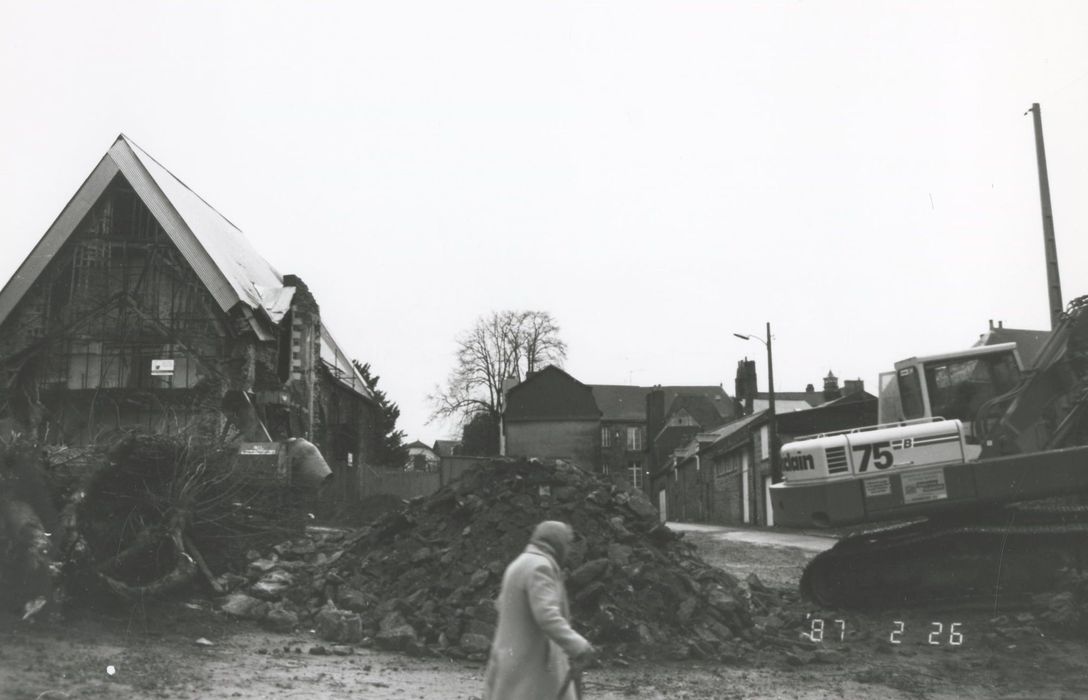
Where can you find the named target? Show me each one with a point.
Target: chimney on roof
(991, 324)
(1000, 324)
(853, 386)
(809, 389)
(745, 385)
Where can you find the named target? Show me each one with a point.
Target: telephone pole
(1053, 280)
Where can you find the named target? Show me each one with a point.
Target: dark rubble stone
(480, 627)
(272, 585)
(479, 578)
(755, 584)
(338, 625)
(280, 620)
(474, 643)
(591, 593)
(687, 607)
(396, 638)
(590, 571)
(486, 611)
(353, 599)
(619, 554)
(722, 600)
(244, 606)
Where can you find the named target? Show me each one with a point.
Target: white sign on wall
(162, 368)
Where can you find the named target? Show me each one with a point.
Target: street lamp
(772, 429)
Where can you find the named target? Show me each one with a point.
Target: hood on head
(556, 536)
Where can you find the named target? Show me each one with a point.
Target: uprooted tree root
(142, 518)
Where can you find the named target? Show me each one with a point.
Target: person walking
(535, 647)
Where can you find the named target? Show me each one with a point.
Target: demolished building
(144, 307)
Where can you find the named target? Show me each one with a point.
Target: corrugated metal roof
(276, 301)
(229, 251)
(781, 405)
(340, 365)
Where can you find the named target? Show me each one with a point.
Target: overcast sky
(658, 176)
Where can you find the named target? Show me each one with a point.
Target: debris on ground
(424, 580)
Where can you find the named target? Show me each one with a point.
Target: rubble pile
(425, 579)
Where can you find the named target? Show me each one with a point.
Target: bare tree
(502, 345)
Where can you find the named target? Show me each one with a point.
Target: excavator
(969, 487)
(972, 485)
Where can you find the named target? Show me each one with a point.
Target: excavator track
(1001, 556)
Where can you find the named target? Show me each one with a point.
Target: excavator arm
(1046, 410)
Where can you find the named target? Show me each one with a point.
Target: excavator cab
(953, 385)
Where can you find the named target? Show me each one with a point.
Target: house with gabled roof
(143, 306)
(552, 415)
(603, 427)
(421, 457)
(447, 448)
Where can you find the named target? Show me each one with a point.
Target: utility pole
(1053, 280)
(776, 466)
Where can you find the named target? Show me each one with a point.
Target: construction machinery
(961, 474)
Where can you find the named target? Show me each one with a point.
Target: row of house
(607, 428)
(699, 453)
(724, 475)
(143, 306)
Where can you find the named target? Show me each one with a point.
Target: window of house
(634, 473)
(606, 436)
(765, 442)
(635, 438)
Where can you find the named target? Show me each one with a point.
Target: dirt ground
(154, 653)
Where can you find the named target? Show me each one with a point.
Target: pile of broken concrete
(424, 579)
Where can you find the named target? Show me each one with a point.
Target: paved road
(766, 537)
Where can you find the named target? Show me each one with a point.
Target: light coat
(533, 639)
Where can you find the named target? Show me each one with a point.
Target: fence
(411, 484)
